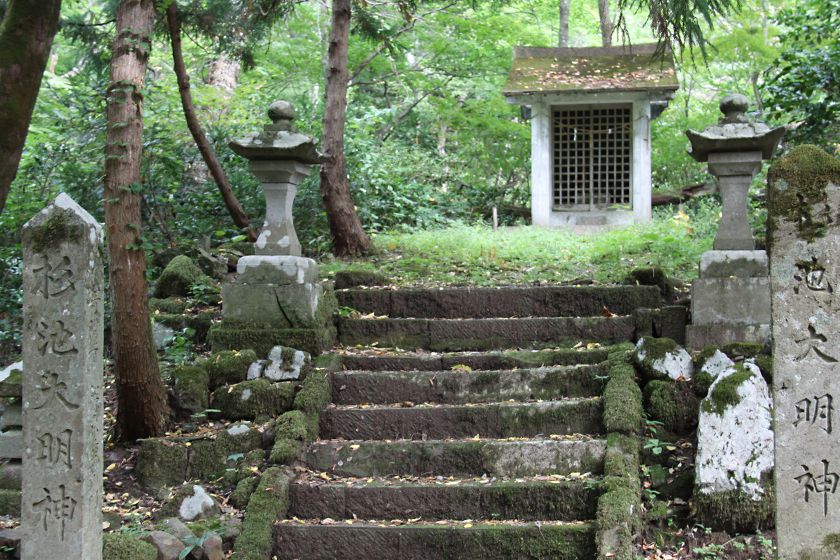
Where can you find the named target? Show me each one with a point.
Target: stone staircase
(479, 452)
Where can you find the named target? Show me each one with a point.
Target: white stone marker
(62, 384)
(805, 278)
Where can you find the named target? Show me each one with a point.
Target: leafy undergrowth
(480, 256)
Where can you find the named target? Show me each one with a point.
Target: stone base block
(741, 264)
(730, 301)
(11, 444)
(700, 336)
(280, 306)
(735, 511)
(262, 338)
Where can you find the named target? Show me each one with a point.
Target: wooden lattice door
(593, 157)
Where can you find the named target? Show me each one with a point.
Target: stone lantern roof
(539, 70)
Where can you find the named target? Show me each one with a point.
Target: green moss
(173, 305)
(229, 366)
(765, 364)
(674, 404)
(10, 502)
(179, 275)
(725, 393)
(316, 393)
(735, 511)
(291, 425)
(622, 456)
(796, 183)
(124, 546)
(268, 503)
(191, 389)
(210, 458)
(285, 451)
(652, 276)
(262, 338)
(701, 383)
(623, 405)
(654, 349)
(618, 517)
(703, 356)
(240, 497)
(249, 399)
(831, 542)
(61, 227)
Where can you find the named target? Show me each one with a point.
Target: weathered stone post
(804, 242)
(62, 384)
(730, 302)
(277, 298)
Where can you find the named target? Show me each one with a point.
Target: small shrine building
(591, 110)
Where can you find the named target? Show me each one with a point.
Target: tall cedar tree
(348, 236)
(26, 36)
(237, 213)
(606, 22)
(141, 401)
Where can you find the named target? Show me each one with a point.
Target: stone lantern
(276, 298)
(730, 302)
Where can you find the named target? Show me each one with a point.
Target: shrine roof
(591, 69)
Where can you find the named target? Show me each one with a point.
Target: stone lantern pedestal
(730, 302)
(276, 298)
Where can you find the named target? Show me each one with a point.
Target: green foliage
(803, 83)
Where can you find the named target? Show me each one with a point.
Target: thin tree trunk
(141, 401)
(348, 236)
(606, 22)
(207, 153)
(563, 39)
(26, 36)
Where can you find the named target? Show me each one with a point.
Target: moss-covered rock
(623, 410)
(161, 462)
(241, 495)
(191, 389)
(124, 546)
(250, 399)
(618, 516)
(268, 503)
(291, 431)
(188, 502)
(353, 278)
(315, 394)
(262, 338)
(734, 511)
(662, 358)
(796, 183)
(653, 276)
(229, 366)
(674, 404)
(178, 277)
(173, 305)
(725, 393)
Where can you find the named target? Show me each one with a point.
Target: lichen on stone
(124, 546)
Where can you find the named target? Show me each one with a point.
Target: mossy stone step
(463, 385)
(493, 420)
(491, 360)
(484, 334)
(434, 542)
(528, 500)
(493, 457)
(482, 303)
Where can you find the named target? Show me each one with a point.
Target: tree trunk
(26, 36)
(207, 153)
(563, 39)
(349, 238)
(606, 22)
(141, 400)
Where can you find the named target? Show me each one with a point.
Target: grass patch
(478, 256)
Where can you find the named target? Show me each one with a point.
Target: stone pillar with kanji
(61, 510)
(803, 203)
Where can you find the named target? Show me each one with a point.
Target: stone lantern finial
(734, 107)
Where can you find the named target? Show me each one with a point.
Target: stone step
(482, 303)
(380, 360)
(526, 499)
(484, 334)
(420, 541)
(514, 457)
(489, 420)
(465, 386)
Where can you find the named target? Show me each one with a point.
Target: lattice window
(593, 154)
